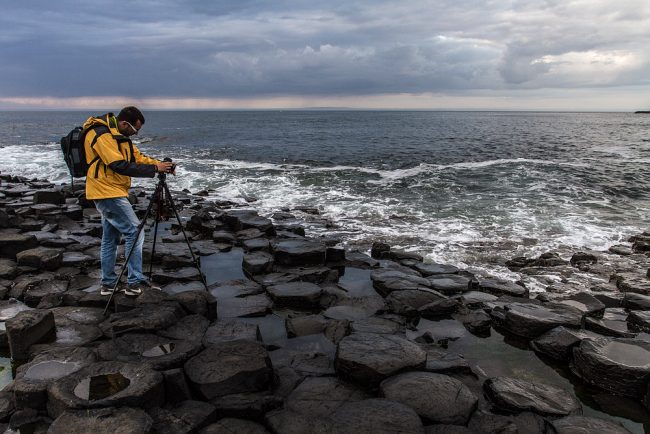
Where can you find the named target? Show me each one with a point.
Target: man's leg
(121, 216)
(108, 249)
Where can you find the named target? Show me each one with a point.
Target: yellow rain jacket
(113, 159)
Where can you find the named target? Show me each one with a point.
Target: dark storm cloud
(165, 48)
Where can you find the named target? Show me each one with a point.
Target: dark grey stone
(501, 287)
(230, 330)
(11, 244)
(386, 281)
(159, 352)
(103, 421)
(450, 284)
(321, 397)
(612, 323)
(586, 303)
(376, 416)
(297, 252)
(530, 320)
(439, 308)
(639, 321)
(257, 263)
(409, 301)
(296, 294)
(40, 257)
(232, 425)
(636, 301)
(581, 424)
(184, 417)
(27, 328)
(142, 319)
(559, 342)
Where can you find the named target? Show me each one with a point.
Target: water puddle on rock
(159, 350)
(272, 329)
(51, 370)
(356, 282)
(101, 386)
(223, 266)
(499, 355)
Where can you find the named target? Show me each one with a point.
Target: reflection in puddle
(159, 350)
(272, 329)
(101, 386)
(51, 370)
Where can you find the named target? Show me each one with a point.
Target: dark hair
(131, 115)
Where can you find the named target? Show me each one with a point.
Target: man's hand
(165, 167)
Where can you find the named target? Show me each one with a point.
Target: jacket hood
(108, 120)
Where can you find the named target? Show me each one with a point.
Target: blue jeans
(118, 218)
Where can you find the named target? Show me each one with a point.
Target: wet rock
(230, 330)
(450, 284)
(40, 257)
(230, 367)
(198, 302)
(191, 328)
(226, 237)
(243, 307)
(257, 263)
(435, 397)
(184, 417)
(475, 299)
(582, 424)
(634, 301)
(76, 259)
(310, 274)
(296, 294)
(306, 325)
(27, 328)
(621, 249)
(159, 352)
(443, 361)
(379, 250)
(501, 287)
(582, 258)
(296, 252)
(632, 282)
(376, 325)
(586, 303)
(232, 425)
(369, 358)
(130, 420)
(141, 320)
(548, 259)
(251, 405)
(514, 395)
(621, 366)
(8, 269)
(639, 321)
(70, 335)
(182, 274)
(386, 281)
(409, 301)
(559, 342)
(106, 384)
(439, 308)
(530, 320)
(11, 244)
(257, 244)
(613, 323)
(81, 282)
(431, 269)
(33, 296)
(476, 322)
(335, 255)
(376, 416)
(321, 397)
(28, 420)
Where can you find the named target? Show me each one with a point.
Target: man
(113, 159)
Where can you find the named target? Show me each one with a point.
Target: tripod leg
(189, 246)
(153, 248)
(140, 227)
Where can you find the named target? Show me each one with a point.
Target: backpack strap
(100, 130)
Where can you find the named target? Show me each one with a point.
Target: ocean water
(471, 189)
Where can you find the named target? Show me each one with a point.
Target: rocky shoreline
(299, 335)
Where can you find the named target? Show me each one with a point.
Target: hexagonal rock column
(41, 257)
(435, 397)
(299, 252)
(107, 384)
(370, 358)
(321, 397)
(11, 244)
(28, 328)
(102, 421)
(514, 395)
(296, 294)
(581, 424)
(159, 352)
(387, 281)
(621, 366)
(230, 367)
(376, 416)
(530, 320)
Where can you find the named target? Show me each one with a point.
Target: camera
(169, 160)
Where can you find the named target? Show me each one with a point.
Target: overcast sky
(518, 54)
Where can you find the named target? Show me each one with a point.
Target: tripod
(162, 199)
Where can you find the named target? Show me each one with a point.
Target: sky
(589, 55)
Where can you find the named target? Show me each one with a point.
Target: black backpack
(74, 150)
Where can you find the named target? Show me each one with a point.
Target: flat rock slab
(559, 342)
(435, 397)
(639, 321)
(431, 269)
(184, 417)
(621, 366)
(33, 296)
(11, 308)
(633, 282)
(409, 301)
(296, 294)
(230, 330)
(612, 323)
(41, 257)
(370, 358)
(581, 424)
(514, 395)
(129, 386)
(103, 421)
(377, 325)
(230, 367)
(190, 328)
(12, 244)
(299, 252)
(235, 288)
(586, 303)
(386, 281)
(251, 306)
(257, 262)
(636, 301)
(141, 320)
(501, 287)
(441, 361)
(450, 284)
(376, 416)
(322, 396)
(530, 320)
(159, 352)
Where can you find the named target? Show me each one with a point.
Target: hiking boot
(136, 288)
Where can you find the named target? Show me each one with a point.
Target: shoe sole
(132, 292)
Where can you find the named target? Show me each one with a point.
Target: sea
(470, 189)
